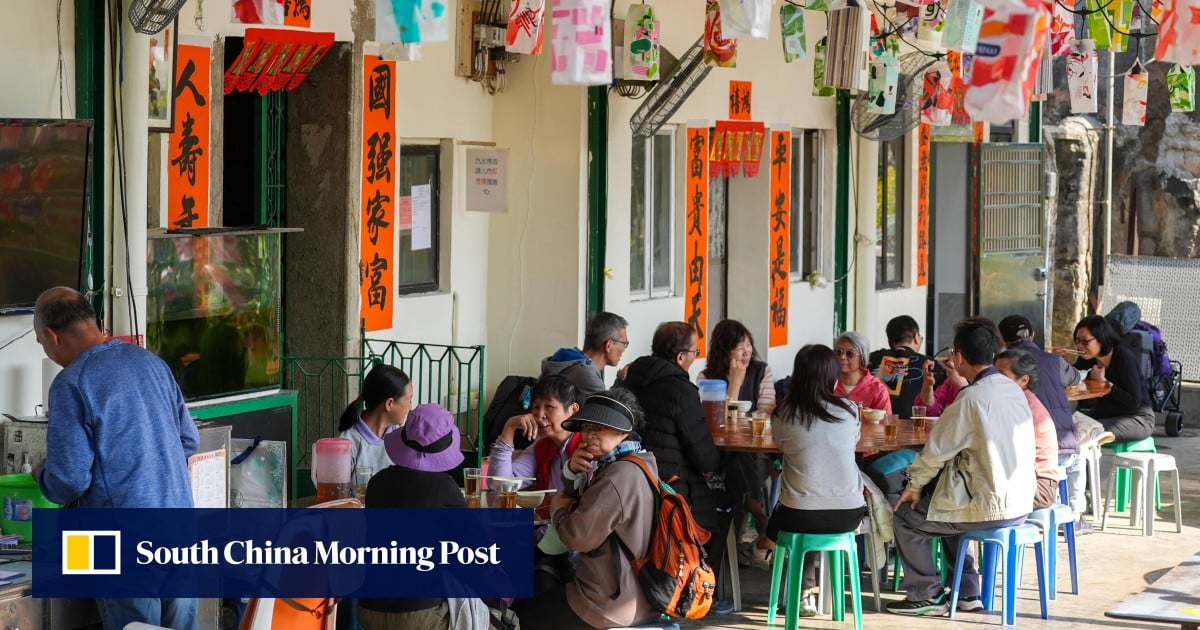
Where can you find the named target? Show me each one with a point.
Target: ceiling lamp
(273, 59)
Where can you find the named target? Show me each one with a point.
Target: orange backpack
(674, 574)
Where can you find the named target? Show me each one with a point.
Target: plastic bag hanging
(1133, 104)
(929, 30)
(881, 87)
(642, 48)
(1006, 62)
(791, 25)
(526, 24)
(746, 18)
(819, 87)
(1082, 67)
(937, 99)
(1181, 88)
(719, 51)
(1062, 30)
(962, 22)
(581, 43)
(1178, 35)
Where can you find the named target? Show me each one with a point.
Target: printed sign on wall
(188, 144)
(378, 190)
(741, 97)
(487, 183)
(781, 216)
(695, 305)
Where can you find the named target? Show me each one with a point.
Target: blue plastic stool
(1011, 542)
(1121, 499)
(1049, 520)
(793, 546)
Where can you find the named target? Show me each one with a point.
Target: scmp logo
(91, 553)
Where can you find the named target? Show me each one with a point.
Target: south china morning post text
(376, 553)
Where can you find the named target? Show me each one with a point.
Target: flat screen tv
(43, 207)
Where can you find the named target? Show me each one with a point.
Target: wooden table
(1173, 598)
(1094, 389)
(740, 439)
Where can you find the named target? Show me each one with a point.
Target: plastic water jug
(712, 398)
(331, 468)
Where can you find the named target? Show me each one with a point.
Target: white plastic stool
(1091, 455)
(1145, 468)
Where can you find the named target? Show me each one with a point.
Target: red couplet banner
(188, 144)
(376, 264)
(695, 306)
(780, 150)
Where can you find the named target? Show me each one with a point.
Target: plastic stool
(793, 546)
(1049, 520)
(1146, 466)
(1145, 445)
(1011, 542)
(1091, 456)
(865, 530)
(939, 561)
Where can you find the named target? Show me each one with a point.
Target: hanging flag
(881, 88)
(1006, 60)
(188, 145)
(1082, 66)
(1120, 15)
(781, 215)
(695, 306)
(581, 43)
(1096, 25)
(376, 264)
(962, 23)
(929, 29)
(959, 76)
(411, 21)
(791, 24)
(937, 101)
(1062, 30)
(642, 44)
(1179, 33)
(526, 19)
(718, 50)
(1133, 106)
(746, 18)
(1181, 87)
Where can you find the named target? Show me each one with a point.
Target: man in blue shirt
(119, 434)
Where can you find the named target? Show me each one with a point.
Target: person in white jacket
(980, 459)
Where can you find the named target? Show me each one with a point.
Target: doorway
(950, 248)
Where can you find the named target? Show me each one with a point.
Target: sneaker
(935, 607)
(970, 603)
(721, 607)
(1082, 527)
(808, 605)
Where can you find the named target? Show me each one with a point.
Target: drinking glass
(918, 411)
(362, 476)
(471, 478)
(758, 424)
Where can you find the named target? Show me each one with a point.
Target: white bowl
(874, 416)
(742, 406)
(529, 498)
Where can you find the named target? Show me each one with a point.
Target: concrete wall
(29, 73)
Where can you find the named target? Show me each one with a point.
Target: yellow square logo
(91, 552)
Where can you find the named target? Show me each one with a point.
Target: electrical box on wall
(483, 46)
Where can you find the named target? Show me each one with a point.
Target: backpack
(511, 399)
(674, 575)
(1160, 361)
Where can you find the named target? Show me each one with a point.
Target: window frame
(433, 151)
(897, 148)
(807, 220)
(648, 290)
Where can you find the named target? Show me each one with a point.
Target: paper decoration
(962, 23)
(642, 44)
(695, 304)
(188, 144)
(377, 190)
(581, 46)
(817, 5)
(1181, 88)
(1179, 34)
(746, 18)
(1006, 60)
(1096, 25)
(487, 183)
(257, 12)
(846, 52)
(1062, 30)
(960, 65)
(780, 249)
(275, 59)
(718, 50)
(1120, 13)
(1044, 79)
(1082, 66)
(737, 146)
(526, 22)
(791, 23)
(1133, 105)
(929, 29)
(881, 87)
(819, 87)
(741, 98)
(411, 21)
(937, 101)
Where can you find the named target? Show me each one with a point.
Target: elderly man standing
(119, 434)
(981, 454)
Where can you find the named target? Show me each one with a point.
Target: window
(652, 217)
(890, 215)
(417, 265)
(806, 203)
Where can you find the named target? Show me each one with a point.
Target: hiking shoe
(721, 607)
(970, 603)
(1082, 527)
(935, 607)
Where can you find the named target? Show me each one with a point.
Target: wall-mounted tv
(43, 207)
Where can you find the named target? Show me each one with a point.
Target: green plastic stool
(1124, 480)
(939, 560)
(792, 546)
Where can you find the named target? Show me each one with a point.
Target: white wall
(337, 16)
(29, 35)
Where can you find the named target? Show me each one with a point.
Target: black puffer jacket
(676, 432)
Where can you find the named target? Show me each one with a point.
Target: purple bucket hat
(428, 440)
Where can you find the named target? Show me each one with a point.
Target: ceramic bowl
(742, 406)
(874, 416)
(529, 498)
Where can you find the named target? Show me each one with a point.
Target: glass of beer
(362, 476)
(918, 417)
(758, 425)
(891, 430)
(506, 496)
(471, 488)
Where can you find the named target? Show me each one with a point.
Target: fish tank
(214, 310)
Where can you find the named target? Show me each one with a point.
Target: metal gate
(1164, 289)
(1013, 233)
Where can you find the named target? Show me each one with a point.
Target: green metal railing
(451, 376)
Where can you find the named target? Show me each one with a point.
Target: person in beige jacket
(607, 503)
(980, 458)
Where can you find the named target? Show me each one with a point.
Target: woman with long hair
(382, 406)
(817, 432)
(733, 358)
(1125, 410)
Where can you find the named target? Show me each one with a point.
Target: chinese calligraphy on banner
(188, 144)
(580, 43)
(487, 184)
(740, 99)
(695, 306)
(378, 190)
(923, 137)
(781, 205)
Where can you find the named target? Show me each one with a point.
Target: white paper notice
(422, 219)
(209, 482)
(487, 182)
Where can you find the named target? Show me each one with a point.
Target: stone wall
(1074, 147)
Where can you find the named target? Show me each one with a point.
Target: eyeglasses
(1084, 342)
(695, 352)
(624, 342)
(849, 354)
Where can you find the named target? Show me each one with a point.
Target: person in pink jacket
(855, 381)
(937, 399)
(1022, 368)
